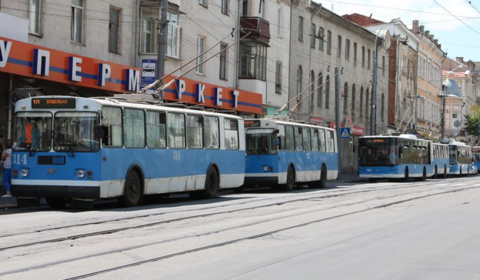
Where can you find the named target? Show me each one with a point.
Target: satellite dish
(457, 123)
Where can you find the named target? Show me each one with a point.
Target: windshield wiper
(33, 148)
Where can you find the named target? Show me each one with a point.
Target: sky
(455, 23)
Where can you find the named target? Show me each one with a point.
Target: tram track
(278, 201)
(363, 206)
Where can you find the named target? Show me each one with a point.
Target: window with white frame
(253, 61)
(200, 55)
(339, 45)
(354, 53)
(77, 21)
(329, 42)
(300, 28)
(225, 6)
(279, 22)
(313, 28)
(299, 83)
(347, 49)
(34, 16)
(173, 42)
(278, 77)
(114, 30)
(223, 61)
(321, 38)
(148, 40)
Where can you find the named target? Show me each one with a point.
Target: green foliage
(472, 124)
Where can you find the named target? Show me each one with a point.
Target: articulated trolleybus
(461, 159)
(395, 157)
(89, 148)
(286, 153)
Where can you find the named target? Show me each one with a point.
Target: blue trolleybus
(286, 153)
(395, 157)
(89, 148)
(461, 161)
(441, 161)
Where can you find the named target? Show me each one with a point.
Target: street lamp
(373, 117)
(445, 85)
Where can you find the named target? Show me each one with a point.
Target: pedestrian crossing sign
(345, 132)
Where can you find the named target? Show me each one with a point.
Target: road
(387, 230)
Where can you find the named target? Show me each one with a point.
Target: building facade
(77, 47)
(327, 49)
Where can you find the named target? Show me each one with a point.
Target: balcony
(258, 28)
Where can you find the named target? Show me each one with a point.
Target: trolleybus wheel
(424, 175)
(435, 176)
(323, 177)
(406, 174)
(56, 202)
(290, 180)
(444, 171)
(211, 184)
(132, 192)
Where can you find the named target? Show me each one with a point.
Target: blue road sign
(345, 132)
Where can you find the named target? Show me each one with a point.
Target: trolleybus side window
(231, 134)
(322, 142)
(298, 138)
(134, 128)
(156, 123)
(176, 130)
(212, 133)
(289, 138)
(330, 142)
(314, 139)
(195, 131)
(112, 127)
(306, 139)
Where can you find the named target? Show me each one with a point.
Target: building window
(300, 28)
(149, 34)
(329, 42)
(363, 57)
(278, 77)
(253, 61)
(223, 61)
(114, 31)
(200, 55)
(339, 44)
(34, 16)
(320, 90)
(383, 65)
(313, 28)
(347, 49)
(367, 102)
(173, 42)
(368, 60)
(345, 98)
(312, 90)
(361, 102)
(321, 40)
(279, 22)
(299, 83)
(327, 92)
(354, 53)
(353, 99)
(382, 110)
(77, 21)
(244, 8)
(225, 7)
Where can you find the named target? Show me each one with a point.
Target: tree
(472, 124)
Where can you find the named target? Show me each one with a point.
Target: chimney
(432, 37)
(421, 28)
(427, 33)
(415, 26)
(459, 59)
(436, 42)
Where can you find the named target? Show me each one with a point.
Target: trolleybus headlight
(265, 168)
(80, 173)
(24, 172)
